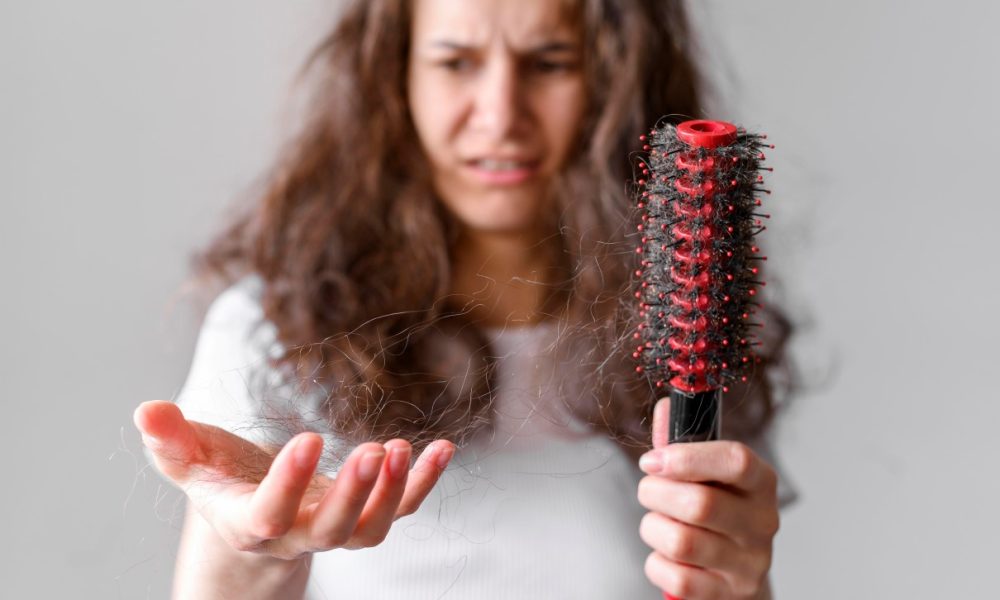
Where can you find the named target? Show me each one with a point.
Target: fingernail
(444, 455)
(303, 455)
(399, 462)
(369, 465)
(651, 463)
(427, 458)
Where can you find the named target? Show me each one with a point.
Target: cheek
(431, 113)
(564, 116)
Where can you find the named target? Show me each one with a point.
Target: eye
(457, 64)
(553, 66)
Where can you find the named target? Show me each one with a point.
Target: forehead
(477, 22)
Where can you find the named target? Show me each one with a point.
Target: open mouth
(502, 171)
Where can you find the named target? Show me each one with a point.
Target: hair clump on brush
(699, 200)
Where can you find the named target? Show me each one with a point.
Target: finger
(274, 506)
(694, 546)
(336, 516)
(661, 423)
(380, 511)
(170, 437)
(726, 462)
(684, 581)
(424, 476)
(706, 506)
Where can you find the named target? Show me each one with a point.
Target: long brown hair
(354, 248)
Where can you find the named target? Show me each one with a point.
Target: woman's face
(497, 94)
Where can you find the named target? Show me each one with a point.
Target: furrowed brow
(552, 47)
(545, 48)
(451, 45)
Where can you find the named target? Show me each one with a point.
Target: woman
(446, 232)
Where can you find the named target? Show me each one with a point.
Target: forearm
(210, 569)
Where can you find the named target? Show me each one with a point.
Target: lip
(504, 177)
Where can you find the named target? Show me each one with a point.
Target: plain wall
(126, 128)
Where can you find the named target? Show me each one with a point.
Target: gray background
(127, 127)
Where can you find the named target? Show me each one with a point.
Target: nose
(498, 101)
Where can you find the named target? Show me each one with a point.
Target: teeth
(500, 165)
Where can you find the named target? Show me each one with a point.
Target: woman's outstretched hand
(714, 514)
(271, 501)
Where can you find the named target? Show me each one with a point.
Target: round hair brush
(699, 198)
(698, 270)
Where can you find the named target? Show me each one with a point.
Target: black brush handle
(695, 417)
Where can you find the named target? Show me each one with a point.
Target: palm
(271, 500)
(232, 471)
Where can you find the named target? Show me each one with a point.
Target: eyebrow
(557, 46)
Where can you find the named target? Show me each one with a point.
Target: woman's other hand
(271, 501)
(713, 517)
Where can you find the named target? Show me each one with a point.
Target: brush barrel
(695, 417)
(698, 269)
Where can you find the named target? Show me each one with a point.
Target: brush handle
(695, 417)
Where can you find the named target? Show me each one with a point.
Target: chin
(484, 224)
(502, 219)
(497, 211)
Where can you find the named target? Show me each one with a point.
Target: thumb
(169, 436)
(661, 435)
(661, 422)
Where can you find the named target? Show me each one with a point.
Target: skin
(497, 78)
(485, 78)
(713, 516)
(271, 501)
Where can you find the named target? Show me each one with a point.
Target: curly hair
(355, 250)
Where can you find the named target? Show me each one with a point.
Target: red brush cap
(702, 133)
